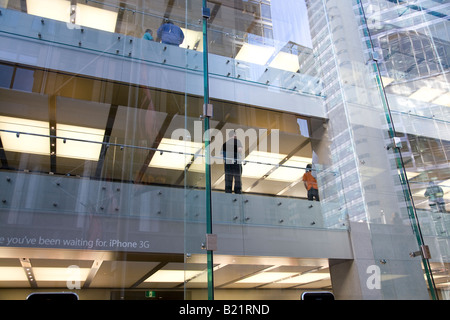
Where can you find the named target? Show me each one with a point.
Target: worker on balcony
(170, 33)
(310, 184)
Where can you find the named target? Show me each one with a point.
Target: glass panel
(411, 44)
(101, 134)
(110, 123)
(103, 148)
(108, 164)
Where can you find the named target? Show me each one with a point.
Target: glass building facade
(117, 183)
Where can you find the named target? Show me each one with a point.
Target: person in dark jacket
(170, 33)
(232, 153)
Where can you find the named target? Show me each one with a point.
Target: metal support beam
(206, 14)
(152, 151)
(3, 159)
(148, 274)
(94, 269)
(52, 131)
(26, 265)
(106, 138)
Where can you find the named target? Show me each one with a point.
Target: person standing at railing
(170, 33)
(148, 35)
(310, 184)
(231, 152)
(435, 196)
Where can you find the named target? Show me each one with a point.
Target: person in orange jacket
(310, 184)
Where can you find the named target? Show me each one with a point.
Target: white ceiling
(51, 268)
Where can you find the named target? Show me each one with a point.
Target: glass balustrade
(107, 29)
(73, 188)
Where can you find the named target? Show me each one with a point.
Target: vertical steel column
(206, 116)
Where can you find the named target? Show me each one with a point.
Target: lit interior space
(144, 141)
(250, 39)
(102, 275)
(98, 275)
(133, 18)
(85, 127)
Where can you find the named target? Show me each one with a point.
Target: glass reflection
(262, 36)
(76, 126)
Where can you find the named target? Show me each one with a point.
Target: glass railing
(84, 196)
(165, 180)
(77, 191)
(434, 223)
(407, 52)
(411, 44)
(233, 54)
(430, 201)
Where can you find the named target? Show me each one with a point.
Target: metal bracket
(376, 56)
(211, 242)
(397, 143)
(208, 110)
(424, 252)
(206, 13)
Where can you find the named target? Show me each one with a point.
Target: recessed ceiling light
(255, 54)
(86, 15)
(259, 163)
(176, 154)
(60, 274)
(51, 9)
(426, 94)
(292, 170)
(387, 81)
(285, 61)
(12, 274)
(36, 142)
(192, 40)
(306, 278)
(443, 100)
(96, 18)
(172, 276)
(80, 143)
(267, 277)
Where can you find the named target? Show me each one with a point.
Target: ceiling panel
(234, 272)
(100, 270)
(121, 274)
